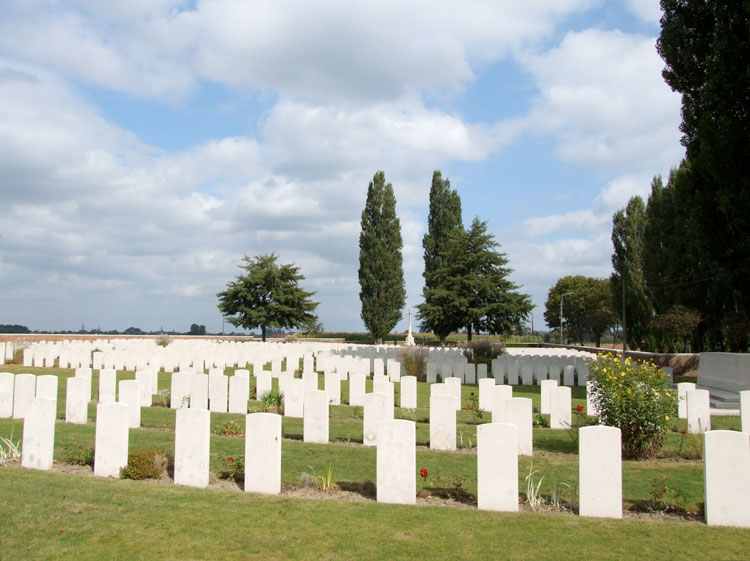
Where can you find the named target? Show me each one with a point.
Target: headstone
(378, 367)
(377, 408)
(442, 422)
(111, 440)
(332, 385)
(130, 394)
(144, 377)
(545, 390)
(85, 373)
(263, 453)
(497, 467)
(39, 434)
(591, 408)
(560, 415)
(698, 411)
(357, 389)
(217, 393)
(518, 412)
(555, 368)
(470, 373)
(107, 385)
(263, 383)
(600, 472)
(315, 424)
(46, 386)
(394, 370)
(24, 390)
(199, 391)
(310, 381)
(192, 443)
(408, 392)
(381, 384)
(513, 369)
(179, 393)
(454, 383)
(540, 370)
(396, 462)
(682, 389)
(486, 389)
(239, 393)
(7, 380)
(431, 369)
(569, 375)
(527, 373)
(500, 394)
(481, 371)
(582, 370)
(744, 411)
(77, 394)
(726, 472)
(294, 394)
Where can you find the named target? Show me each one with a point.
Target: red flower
(423, 472)
(230, 459)
(684, 431)
(579, 409)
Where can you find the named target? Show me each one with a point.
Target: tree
(444, 218)
(674, 327)
(381, 273)
(587, 307)
(472, 289)
(196, 329)
(266, 295)
(706, 48)
(628, 227)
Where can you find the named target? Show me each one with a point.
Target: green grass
(165, 518)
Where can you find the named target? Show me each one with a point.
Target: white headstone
(454, 383)
(381, 384)
(315, 424)
(591, 408)
(107, 385)
(442, 422)
(396, 462)
(682, 389)
(217, 393)
(46, 386)
(500, 394)
(179, 393)
(263, 383)
(560, 415)
(486, 389)
(130, 394)
(569, 375)
(518, 412)
(377, 408)
(263, 453)
(24, 391)
(600, 471)
(7, 382)
(546, 389)
(111, 440)
(239, 393)
(513, 370)
(199, 391)
(310, 381)
(77, 394)
(726, 471)
(294, 395)
(39, 434)
(527, 372)
(470, 373)
(357, 389)
(497, 467)
(698, 411)
(744, 411)
(408, 392)
(332, 385)
(144, 377)
(192, 442)
(394, 370)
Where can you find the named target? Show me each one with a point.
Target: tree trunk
(263, 332)
(468, 332)
(442, 340)
(378, 340)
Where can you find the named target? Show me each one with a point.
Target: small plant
(145, 464)
(580, 419)
(540, 421)
(423, 473)
(229, 428)
(162, 340)
(325, 481)
(234, 468)
(9, 451)
(557, 499)
(78, 455)
(533, 496)
(461, 443)
(162, 398)
(307, 480)
(272, 402)
(483, 351)
(663, 498)
(413, 361)
(472, 405)
(693, 449)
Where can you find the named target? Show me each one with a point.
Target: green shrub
(637, 398)
(78, 455)
(413, 360)
(229, 428)
(145, 464)
(234, 468)
(161, 398)
(483, 351)
(272, 402)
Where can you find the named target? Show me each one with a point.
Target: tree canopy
(267, 295)
(587, 307)
(381, 273)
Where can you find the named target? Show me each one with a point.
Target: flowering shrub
(636, 397)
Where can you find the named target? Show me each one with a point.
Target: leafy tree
(706, 48)
(676, 325)
(599, 315)
(628, 227)
(444, 218)
(134, 331)
(472, 289)
(196, 329)
(266, 295)
(587, 307)
(381, 273)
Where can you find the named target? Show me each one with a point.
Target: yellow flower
(667, 417)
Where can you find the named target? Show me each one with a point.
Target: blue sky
(146, 146)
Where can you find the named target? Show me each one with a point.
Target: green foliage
(272, 402)
(145, 464)
(472, 405)
(413, 361)
(233, 468)
(381, 273)
(163, 341)
(587, 307)
(674, 329)
(663, 498)
(267, 295)
(483, 351)
(229, 428)
(78, 455)
(636, 397)
(196, 329)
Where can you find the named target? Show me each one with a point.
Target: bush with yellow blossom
(637, 398)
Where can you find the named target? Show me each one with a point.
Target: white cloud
(648, 11)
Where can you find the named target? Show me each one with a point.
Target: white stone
(431, 372)
(46, 386)
(513, 370)
(332, 386)
(394, 370)
(145, 378)
(7, 382)
(111, 440)
(486, 388)
(555, 370)
(107, 385)
(315, 424)
(192, 443)
(179, 393)
(294, 397)
(561, 413)
(396, 462)
(24, 390)
(408, 392)
(698, 411)
(726, 471)
(569, 375)
(199, 391)
(378, 367)
(527, 373)
(310, 381)
(442, 422)
(454, 383)
(242, 373)
(682, 389)
(540, 370)
(545, 390)
(377, 408)
(497, 467)
(481, 371)
(77, 393)
(470, 373)
(600, 472)
(263, 453)
(39, 434)
(518, 411)
(744, 411)
(263, 383)
(218, 386)
(381, 384)
(357, 389)
(499, 395)
(130, 394)
(86, 373)
(239, 393)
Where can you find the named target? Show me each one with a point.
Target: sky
(146, 146)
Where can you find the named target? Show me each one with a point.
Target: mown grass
(447, 531)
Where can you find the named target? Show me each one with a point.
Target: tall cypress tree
(444, 218)
(381, 272)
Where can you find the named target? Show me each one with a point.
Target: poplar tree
(381, 272)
